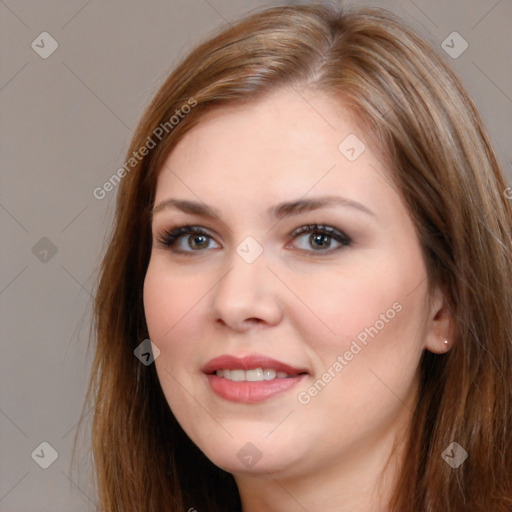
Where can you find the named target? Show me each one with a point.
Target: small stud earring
(445, 342)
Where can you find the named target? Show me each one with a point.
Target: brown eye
(197, 241)
(321, 238)
(195, 237)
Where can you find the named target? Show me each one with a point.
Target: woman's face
(341, 309)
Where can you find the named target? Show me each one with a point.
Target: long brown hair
(443, 164)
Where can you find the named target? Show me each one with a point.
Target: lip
(250, 392)
(229, 362)
(246, 391)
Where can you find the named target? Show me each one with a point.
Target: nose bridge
(247, 290)
(246, 275)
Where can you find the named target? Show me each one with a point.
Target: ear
(440, 325)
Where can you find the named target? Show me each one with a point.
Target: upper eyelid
(198, 227)
(300, 231)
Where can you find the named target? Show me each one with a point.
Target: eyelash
(169, 237)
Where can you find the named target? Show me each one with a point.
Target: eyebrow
(276, 212)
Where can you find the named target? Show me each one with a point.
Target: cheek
(168, 299)
(172, 305)
(341, 305)
(375, 311)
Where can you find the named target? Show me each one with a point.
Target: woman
(312, 229)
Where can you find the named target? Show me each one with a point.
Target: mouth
(254, 375)
(252, 378)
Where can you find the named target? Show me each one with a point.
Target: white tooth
(282, 375)
(226, 374)
(254, 375)
(220, 373)
(269, 374)
(237, 375)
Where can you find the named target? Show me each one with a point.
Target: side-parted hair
(415, 107)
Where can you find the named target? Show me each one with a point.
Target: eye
(197, 239)
(189, 239)
(320, 238)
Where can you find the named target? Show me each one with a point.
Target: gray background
(65, 126)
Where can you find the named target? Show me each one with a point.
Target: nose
(246, 295)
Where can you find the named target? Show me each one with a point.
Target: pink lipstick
(251, 378)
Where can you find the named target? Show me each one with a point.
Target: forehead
(288, 144)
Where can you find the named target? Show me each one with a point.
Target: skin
(297, 302)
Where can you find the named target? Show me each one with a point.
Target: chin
(254, 457)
